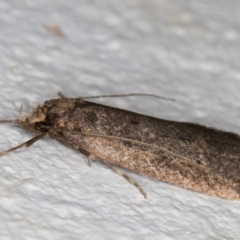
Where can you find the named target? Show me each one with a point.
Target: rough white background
(186, 49)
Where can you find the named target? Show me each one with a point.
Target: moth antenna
(20, 111)
(25, 144)
(151, 145)
(127, 95)
(61, 95)
(16, 121)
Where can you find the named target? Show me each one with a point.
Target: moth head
(37, 115)
(29, 122)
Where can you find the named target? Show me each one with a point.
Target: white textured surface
(184, 49)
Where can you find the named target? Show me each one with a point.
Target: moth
(187, 155)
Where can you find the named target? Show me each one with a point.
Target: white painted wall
(186, 49)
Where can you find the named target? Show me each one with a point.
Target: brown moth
(187, 155)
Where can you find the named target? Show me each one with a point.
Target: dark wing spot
(134, 122)
(91, 117)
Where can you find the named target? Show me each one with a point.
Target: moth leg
(61, 95)
(25, 144)
(90, 159)
(122, 174)
(89, 162)
(129, 179)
